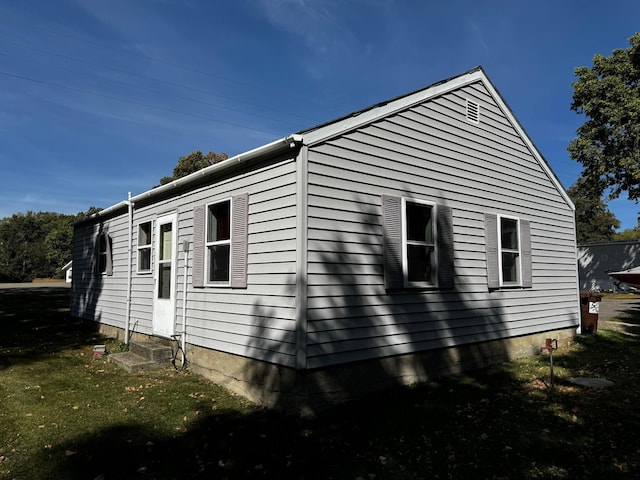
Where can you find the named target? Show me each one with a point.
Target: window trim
(392, 251)
(148, 247)
(103, 232)
(493, 252)
(208, 244)
(501, 250)
(406, 242)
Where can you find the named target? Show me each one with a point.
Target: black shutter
(445, 247)
(109, 253)
(239, 240)
(392, 241)
(95, 261)
(199, 220)
(491, 247)
(525, 239)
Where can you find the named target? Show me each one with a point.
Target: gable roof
(350, 122)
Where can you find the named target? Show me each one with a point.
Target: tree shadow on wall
(359, 338)
(597, 260)
(87, 284)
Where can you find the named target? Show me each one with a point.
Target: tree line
(36, 244)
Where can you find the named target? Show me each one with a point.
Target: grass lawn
(65, 415)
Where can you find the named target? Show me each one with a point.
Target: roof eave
(259, 153)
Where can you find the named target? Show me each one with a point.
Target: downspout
(129, 272)
(185, 249)
(577, 264)
(301, 259)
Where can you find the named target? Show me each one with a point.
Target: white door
(164, 303)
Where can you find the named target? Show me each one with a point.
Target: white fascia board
(278, 146)
(272, 148)
(368, 116)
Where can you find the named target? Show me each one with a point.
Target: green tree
(594, 221)
(36, 245)
(628, 234)
(608, 143)
(192, 163)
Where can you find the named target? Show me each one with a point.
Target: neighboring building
(596, 259)
(422, 235)
(68, 271)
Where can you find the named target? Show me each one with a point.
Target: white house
(422, 235)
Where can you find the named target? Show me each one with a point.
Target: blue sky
(101, 97)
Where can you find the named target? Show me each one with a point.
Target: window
(509, 251)
(418, 244)
(218, 242)
(420, 248)
(508, 248)
(144, 247)
(102, 253)
(103, 262)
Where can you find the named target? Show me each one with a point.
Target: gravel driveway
(628, 308)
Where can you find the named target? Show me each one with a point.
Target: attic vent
(473, 112)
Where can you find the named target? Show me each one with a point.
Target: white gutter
(272, 148)
(110, 209)
(269, 149)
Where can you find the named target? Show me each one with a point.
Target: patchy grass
(64, 415)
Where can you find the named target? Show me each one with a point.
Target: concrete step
(151, 351)
(132, 362)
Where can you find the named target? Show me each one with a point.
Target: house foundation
(309, 391)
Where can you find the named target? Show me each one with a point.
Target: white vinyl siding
(339, 237)
(100, 297)
(257, 320)
(431, 152)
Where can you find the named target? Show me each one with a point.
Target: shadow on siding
(596, 260)
(366, 339)
(86, 285)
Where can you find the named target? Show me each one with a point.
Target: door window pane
(164, 280)
(165, 242)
